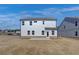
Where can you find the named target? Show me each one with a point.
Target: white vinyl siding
(36, 28)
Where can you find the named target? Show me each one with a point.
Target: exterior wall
(69, 33)
(50, 24)
(38, 27)
(70, 28)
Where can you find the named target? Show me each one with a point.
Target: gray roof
(71, 19)
(50, 28)
(37, 19)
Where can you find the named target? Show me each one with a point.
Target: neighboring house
(38, 27)
(11, 32)
(69, 27)
(1, 32)
(17, 31)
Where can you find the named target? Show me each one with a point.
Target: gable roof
(69, 20)
(37, 19)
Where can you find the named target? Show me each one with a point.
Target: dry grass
(15, 45)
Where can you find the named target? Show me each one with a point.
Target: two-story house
(38, 27)
(69, 27)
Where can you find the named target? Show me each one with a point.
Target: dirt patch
(14, 45)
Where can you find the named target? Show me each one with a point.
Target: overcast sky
(11, 14)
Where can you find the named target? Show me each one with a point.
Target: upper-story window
(64, 26)
(43, 22)
(22, 22)
(35, 21)
(30, 22)
(76, 23)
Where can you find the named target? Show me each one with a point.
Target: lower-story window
(52, 32)
(42, 32)
(76, 33)
(33, 32)
(28, 32)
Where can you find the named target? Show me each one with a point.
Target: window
(22, 22)
(76, 33)
(8, 31)
(76, 23)
(35, 21)
(33, 32)
(64, 27)
(28, 32)
(30, 22)
(12, 31)
(52, 32)
(42, 32)
(43, 22)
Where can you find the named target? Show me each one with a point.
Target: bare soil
(14, 45)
